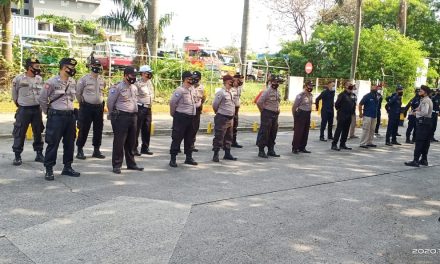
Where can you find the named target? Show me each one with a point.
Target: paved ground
(353, 207)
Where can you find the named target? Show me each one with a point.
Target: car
(114, 55)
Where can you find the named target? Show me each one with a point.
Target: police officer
(412, 124)
(345, 107)
(353, 117)
(301, 110)
(90, 95)
(269, 105)
(224, 109)
(200, 100)
(379, 109)
(424, 129)
(26, 89)
(183, 110)
(122, 107)
(237, 89)
(56, 100)
(145, 99)
(327, 110)
(436, 109)
(394, 103)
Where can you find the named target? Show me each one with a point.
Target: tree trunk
(6, 23)
(357, 36)
(153, 28)
(403, 11)
(140, 37)
(244, 37)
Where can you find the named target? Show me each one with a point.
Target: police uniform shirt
(425, 108)
(303, 101)
(26, 90)
(123, 97)
(200, 95)
(145, 93)
(224, 102)
(236, 92)
(183, 101)
(56, 88)
(270, 100)
(90, 89)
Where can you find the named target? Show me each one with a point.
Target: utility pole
(244, 37)
(403, 13)
(357, 36)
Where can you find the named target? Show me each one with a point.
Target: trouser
(326, 119)
(60, 124)
(379, 116)
(342, 129)
(182, 130)
(434, 123)
(223, 135)
(423, 141)
(368, 126)
(301, 127)
(235, 126)
(196, 125)
(124, 137)
(412, 127)
(268, 129)
(393, 126)
(27, 115)
(88, 114)
(352, 125)
(143, 127)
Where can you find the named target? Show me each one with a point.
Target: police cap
(68, 61)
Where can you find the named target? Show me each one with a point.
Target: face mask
(309, 90)
(71, 72)
(240, 83)
(131, 80)
(400, 93)
(35, 71)
(96, 69)
(275, 85)
(149, 75)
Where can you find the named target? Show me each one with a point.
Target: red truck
(114, 55)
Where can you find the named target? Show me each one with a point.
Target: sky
(220, 21)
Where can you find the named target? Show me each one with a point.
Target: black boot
(173, 161)
(80, 154)
(261, 153)
(335, 147)
(228, 155)
(68, 171)
(189, 160)
(413, 163)
(17, 161)
(97, 153)
(49, 174)
(136, 152)
(236, 145)
(271, 152)
(215, 158)
(39, 157)
(424, 162)
(408, 141)
(145, 150)
(343, 146)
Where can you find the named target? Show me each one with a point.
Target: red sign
(309, 67)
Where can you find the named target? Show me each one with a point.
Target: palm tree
(244, 37)
(6, 27)
(132, 12)
(402, 16)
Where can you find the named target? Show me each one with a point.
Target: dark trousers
(182, 130)
(223, 135)
(268, 129)
(434, 123)
(235, 125)
(342, 129)
(393, 126)
(423, 141)
(301, 130)
(412, 127)
(326, 119)
(379, 115)
(24, 117)
(87, 115)
(60, 124)
(196, 125)
(124, 133)
(144, 119)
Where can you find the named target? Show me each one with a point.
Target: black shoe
(117, 170)
(49, 174)
(215, 157)
(412, 163)
(345, 147)
(330, 137)
(146, 151)
(136, 153)
(388, 143)
(195, 150)
(363, 146)
(272, 153)
(173, 162)
(323, 139)
(372, 146)
(68, 171)
(262, 154)
(295, 151)
(236, 145)
(135, 167)
(305, 151)
(80, 154)
(335, 147)
(408, 141)
(39, 157)
(17, 161)
(423, 162)
(190, 161)
(434, 140)
(396, 143)
(97, 154)
(228, 155)
(399, 135)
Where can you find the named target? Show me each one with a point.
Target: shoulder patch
(177, 94)
(112, 91)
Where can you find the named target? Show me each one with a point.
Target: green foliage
(61, 23)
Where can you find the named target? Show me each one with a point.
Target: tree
(6, 24)
(244, 37)
(153, 27)
(356, 39)
(402, 16)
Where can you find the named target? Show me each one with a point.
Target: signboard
(422, 74)
(309, 67)
(296, 85)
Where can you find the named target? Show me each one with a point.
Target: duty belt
(119, 112)
(144, 105)
(91, 105)
(30, 107)
(60, 112)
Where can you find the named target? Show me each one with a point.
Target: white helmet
(145, 68)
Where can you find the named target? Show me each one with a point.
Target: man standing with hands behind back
(368, 113)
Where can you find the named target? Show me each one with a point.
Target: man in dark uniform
(394, 104)
(423, 115)
(379, 109)
(200, 100)
(122, 107)
(56, 100)
(435, 111)
(412, 126)
(224, 108)
(269, 105)
(183, 111)
(26, 89)
(327, 110)
(90, 95)
(237, 89)
(345, 107)
(301, 111)
(353, 117)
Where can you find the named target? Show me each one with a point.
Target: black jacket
(328, 100)
(345, 105)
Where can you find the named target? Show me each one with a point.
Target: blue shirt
(370, 102)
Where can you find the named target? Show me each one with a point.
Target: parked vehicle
(114, 55)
